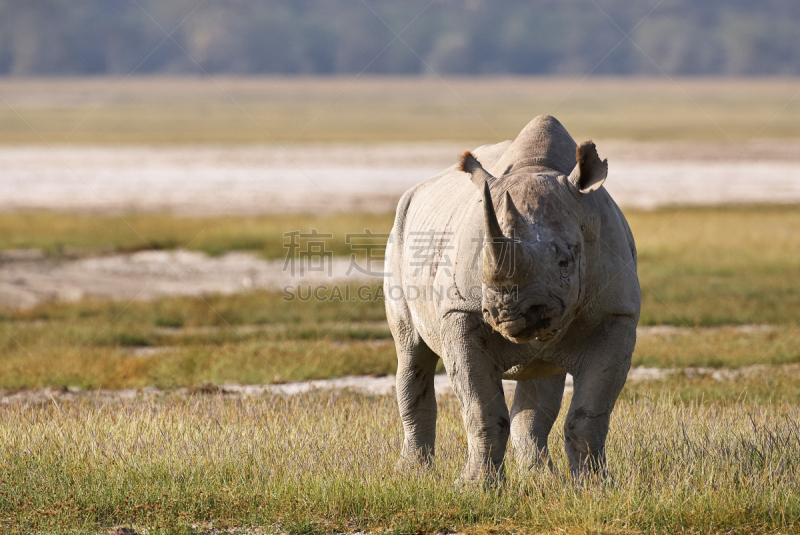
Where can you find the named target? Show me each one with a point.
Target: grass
(761, 385)
(688, 453)
(700, 267)
(197, 364)
(377, 109)
(718, 266)
(697, 265)
(258, 338)
(724, 347)
(326, 463)
(68, 234)
(248, 338)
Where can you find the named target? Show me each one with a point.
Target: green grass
(258, 338)
(326, 463)
(66, 234)
(689, 453)
(723, 347)
(718, 266)
(377, 109)
(762, 385)
(698, 267)
(253, 338)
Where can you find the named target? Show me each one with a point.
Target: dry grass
(259, 339)
(722, 347)
(326, 463)
(688, 454)
(697, 266)
(65, 234)
(718, 266)
(267, 110)
(196, 364)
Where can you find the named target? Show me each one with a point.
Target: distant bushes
(719, 37)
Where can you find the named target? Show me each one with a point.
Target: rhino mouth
(538, 322)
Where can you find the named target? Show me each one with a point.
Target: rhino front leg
(537, 403)
(478, 384)
(598, 379)
(416, 399)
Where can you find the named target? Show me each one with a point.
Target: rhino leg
(598, 379)
(416, 399)
(535, 409)
(478, 384)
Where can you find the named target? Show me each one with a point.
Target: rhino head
(533, 265)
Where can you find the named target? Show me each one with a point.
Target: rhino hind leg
(416, 399)
(537, 403)
(605, 364)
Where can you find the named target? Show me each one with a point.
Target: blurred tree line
(716, 37)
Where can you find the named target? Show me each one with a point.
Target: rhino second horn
(478, 175)
(513, 218)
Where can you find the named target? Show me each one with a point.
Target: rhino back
(432, 247)
(438, 204)
(612, 281)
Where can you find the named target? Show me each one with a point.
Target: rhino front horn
(497, 256)
(497, 259)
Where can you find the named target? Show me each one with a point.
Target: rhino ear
(590, 172)
(472, 166)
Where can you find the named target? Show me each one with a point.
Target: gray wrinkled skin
(565, 300)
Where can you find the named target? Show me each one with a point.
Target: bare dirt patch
(27, 278)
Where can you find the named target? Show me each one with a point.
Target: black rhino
(541, 285)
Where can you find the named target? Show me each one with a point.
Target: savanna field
(712, 446)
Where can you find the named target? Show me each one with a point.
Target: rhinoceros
(514, 263)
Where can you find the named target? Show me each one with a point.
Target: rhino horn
(495, 240)
(590, 172)
(512, 216)
(478, 175)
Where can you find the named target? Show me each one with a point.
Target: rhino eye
(566, 267)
